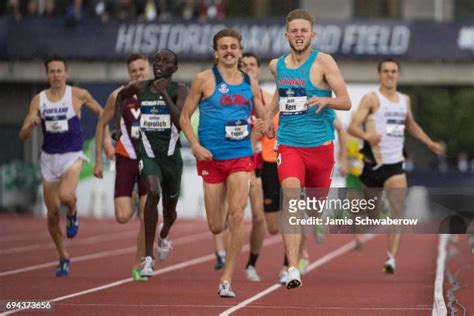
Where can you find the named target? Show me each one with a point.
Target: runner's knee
(122, 216)
(216, 228)
(236, 218)
(154, 193)
(273, 229)
(258, 220)
(53, 217)
(68, 198)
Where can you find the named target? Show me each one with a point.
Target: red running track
(342, 281)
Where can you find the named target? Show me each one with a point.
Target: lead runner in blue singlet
(225, 97)
(58, 110)
(305, 79)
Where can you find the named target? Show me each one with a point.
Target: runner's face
(164, 65)
(139, 69)
(299, 34)
(389, 75)
(228, 51)
(250, 66)
(56, 74)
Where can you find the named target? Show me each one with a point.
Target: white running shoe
(294, 278)
(225, 290)
(252, 274)
(389, 266)
(147, 265)
(163, 246)
(283, 277)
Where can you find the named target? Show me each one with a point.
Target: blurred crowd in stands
(105, 10)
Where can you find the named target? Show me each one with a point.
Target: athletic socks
(252, 260)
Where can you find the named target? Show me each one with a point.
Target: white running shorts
(53, 166)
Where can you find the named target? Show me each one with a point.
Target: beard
(305, 47)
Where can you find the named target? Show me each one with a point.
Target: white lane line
(68, 242)
(18, 237)
(328, 257)
(266, 307)
(103, 254)
(439, 306)
(12, 236)
(178, 266)
(182, 226)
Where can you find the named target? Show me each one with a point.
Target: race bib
(236, 130)
(155, 122)
(56, 124)
(293, 101)
(395, 128)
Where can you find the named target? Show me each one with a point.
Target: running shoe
(319, 234)
(147, 265)
(220, 262)
(283, 277)
(72, 225)
(251, 274)
(62, 269)
(294, 278)
(163, 246)
(137, 277)
(389, 266)
(303, 265)
(471, 243)
(225, 290)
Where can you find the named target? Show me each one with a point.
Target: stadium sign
(265, 40)
(33, 38)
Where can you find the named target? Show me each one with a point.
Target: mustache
(229, 54)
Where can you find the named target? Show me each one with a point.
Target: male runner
(160, 162)
(305, 79)
(58, 110)
(125, 156)
(225, 97)
(251, 65)
(384, 115)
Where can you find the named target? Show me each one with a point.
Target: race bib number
(236, 130)
(395, 128)
(293, 101)
(135, 130)
(155, 122)
(56, 124)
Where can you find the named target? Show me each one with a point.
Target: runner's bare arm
(190, 105)
(365, 108)
(175, 108)
(417, 132)
(257, 98)
(130, 90)
(334, 78)
(342, 154)
(272, 107)
(32, 119)
(102, 125)
(86, 99)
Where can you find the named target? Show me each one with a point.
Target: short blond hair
(299, 14)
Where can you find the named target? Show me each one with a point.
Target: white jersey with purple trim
(62, 132)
